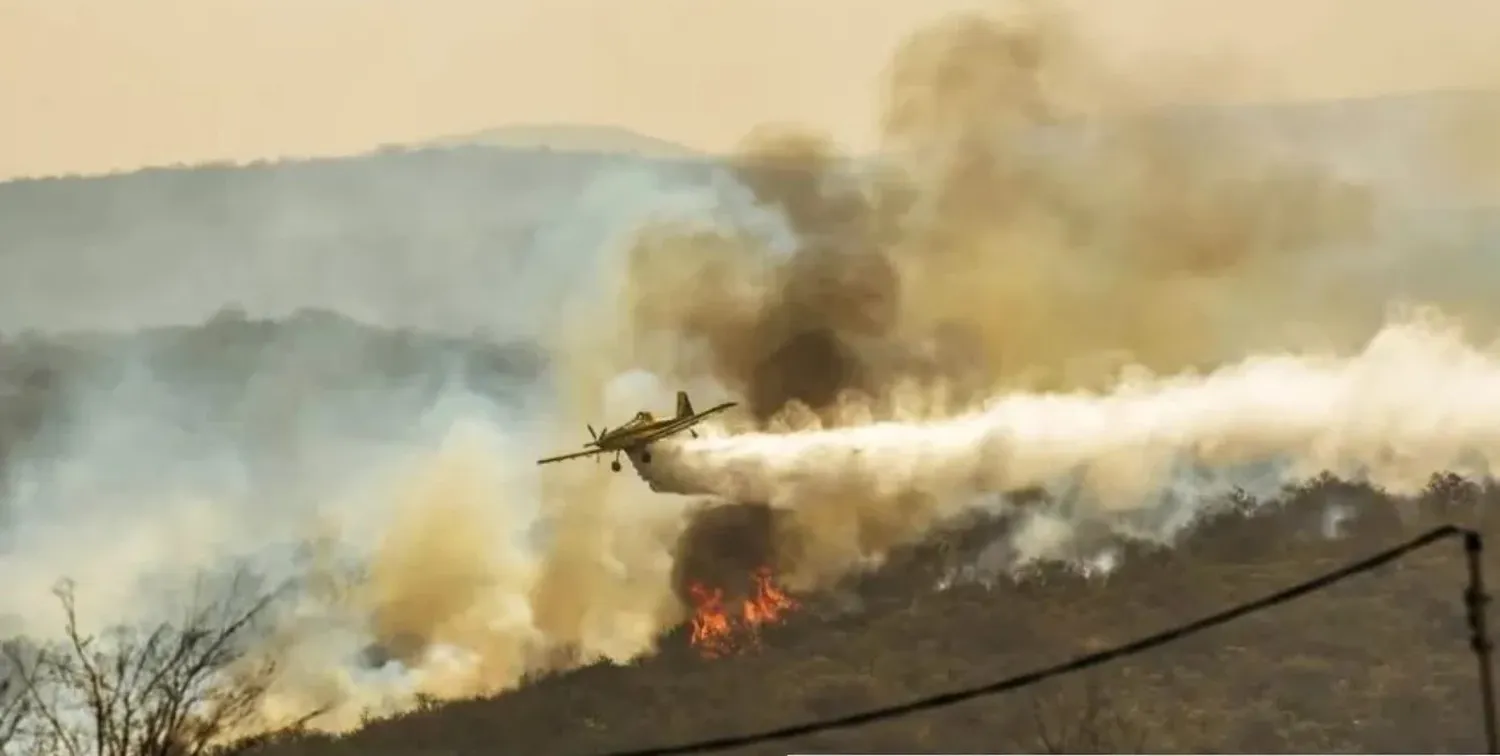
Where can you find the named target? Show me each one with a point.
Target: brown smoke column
(977, 255)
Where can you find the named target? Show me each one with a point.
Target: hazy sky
(99, 85)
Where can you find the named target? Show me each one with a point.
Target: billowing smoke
(1025, 227)
(1034, 286)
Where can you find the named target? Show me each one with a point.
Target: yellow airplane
(637, 435)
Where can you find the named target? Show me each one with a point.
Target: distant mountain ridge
(1320, 123)
(564, 137)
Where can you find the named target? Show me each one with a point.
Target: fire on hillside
(721, 627)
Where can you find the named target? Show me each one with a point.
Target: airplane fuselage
(634, 438)
(632, 441)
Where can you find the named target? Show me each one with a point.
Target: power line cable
(1474, 597)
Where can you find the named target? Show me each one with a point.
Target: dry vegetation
(173, 689)
(1378, 663)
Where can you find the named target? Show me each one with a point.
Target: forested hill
(381, 237)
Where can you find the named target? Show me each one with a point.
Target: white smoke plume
(1145, 459)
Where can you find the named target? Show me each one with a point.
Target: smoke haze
(1137, 314)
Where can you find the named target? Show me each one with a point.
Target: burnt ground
(1379, 663)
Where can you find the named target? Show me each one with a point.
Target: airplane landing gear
(646, 457)
(614, 465)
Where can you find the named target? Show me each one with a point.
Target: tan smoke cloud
(440, 572)
(458, 599)
(450, 574)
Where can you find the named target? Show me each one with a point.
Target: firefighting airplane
(637, 435)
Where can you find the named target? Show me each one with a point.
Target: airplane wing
(574, 455)
(686, 422)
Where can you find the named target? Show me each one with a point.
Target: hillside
(249, 383)
(424, 238)
(1379, 663)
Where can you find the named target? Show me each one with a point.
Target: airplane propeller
(596, 436)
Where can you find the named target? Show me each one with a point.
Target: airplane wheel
(615, 465)
(645, 457)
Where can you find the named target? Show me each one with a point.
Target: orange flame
(718, 630)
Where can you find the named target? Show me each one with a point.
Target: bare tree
(1085, 720)
(15, 706)
(168, 690)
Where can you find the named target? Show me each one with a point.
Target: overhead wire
(1474, 596)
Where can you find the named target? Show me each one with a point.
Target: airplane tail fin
(684, 407)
